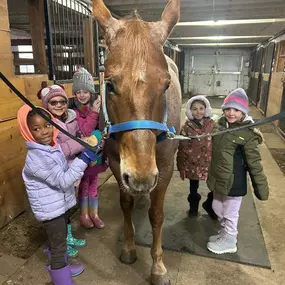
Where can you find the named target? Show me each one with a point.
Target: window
(27, 69)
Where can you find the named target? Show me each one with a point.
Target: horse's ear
(170, 17)
(102, 14)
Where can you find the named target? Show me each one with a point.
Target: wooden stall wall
(6, 58)
(277, 81)
(13, 199)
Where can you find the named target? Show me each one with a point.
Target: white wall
(216, 71)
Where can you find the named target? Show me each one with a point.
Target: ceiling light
(230, 22)
(217, 38)
(219, 44)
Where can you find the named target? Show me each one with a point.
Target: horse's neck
(172, 65)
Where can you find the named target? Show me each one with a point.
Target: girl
(55, 100)
(234, 154)
(87, 106)
(193, 157)
(49, 184)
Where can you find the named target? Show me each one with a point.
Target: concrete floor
(101, 255)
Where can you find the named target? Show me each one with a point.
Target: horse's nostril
(126, 178)
(140, 185)
(155, 180)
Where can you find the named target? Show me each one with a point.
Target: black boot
(194, 204)
(207, 205)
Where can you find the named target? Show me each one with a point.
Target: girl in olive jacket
(233, 155)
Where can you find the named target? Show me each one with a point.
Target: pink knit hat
(47, 93)
(237, 99)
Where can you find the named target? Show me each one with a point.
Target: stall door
(266, 76)
(228, 75)
(281, 124)
(215, 75)
(256, 76)
(203, 67)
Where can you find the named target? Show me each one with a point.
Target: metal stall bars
(72, 39)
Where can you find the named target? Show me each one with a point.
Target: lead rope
(173, 136)
(169, 135)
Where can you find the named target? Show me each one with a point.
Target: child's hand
(96, 105)
(88, 156)
(182, 175)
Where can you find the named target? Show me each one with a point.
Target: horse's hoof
(128, 257)
(159, 280)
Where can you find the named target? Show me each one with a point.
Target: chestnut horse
(139, 78)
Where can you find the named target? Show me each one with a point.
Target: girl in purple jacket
(49, 184)
(55, 100)
(87, 106)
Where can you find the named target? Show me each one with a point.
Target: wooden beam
(20, 42)
(36, 16)
(88, 44)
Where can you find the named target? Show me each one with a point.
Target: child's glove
(88, 156)
(94, 140)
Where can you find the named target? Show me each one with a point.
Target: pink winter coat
(69, 147)
(87, 122)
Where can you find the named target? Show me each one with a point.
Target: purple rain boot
(60, 276)
(75, 269)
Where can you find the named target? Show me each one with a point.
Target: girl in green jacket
(233, 155)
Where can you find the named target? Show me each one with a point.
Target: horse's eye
(167, 86)
(110, 87)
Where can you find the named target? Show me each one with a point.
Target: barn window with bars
(71, 38)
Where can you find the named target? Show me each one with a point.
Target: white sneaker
(215, 237)
(224, 244)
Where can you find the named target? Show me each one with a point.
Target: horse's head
(137, 77)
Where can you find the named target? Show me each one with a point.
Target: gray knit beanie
(83, 80)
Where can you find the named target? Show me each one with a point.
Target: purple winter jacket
(69, 146)
(49, 181)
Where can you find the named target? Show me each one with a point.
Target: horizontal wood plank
(9, 102)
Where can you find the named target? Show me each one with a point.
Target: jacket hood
(202, 98)
(71, 115)
(23, 126)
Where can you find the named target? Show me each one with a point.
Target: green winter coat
(233, 155)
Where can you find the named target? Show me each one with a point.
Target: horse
(141, 84)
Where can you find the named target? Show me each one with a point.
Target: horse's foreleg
(156, 216)
(128, 254)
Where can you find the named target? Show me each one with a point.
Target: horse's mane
(136, 43)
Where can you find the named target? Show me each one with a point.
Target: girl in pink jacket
(87, 106)
(55, 100)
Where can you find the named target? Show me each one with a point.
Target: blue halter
(111, 129)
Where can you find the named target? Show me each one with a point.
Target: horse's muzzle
(139, 186)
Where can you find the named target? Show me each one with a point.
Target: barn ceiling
(267, 19)
(212, 11)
